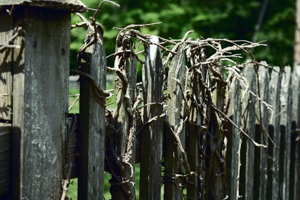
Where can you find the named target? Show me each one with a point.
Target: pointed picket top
(70, 5)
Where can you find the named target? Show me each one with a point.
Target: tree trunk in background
(297, 35)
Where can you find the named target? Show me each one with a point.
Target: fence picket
(124, 115)
(234, 141)
(193, 135)
(285, 120)
(92, 121)
(216, 136)
(175, 110)
(295, 147)
(274, 131)
(248, 113)
(152, 136)
(262, 115)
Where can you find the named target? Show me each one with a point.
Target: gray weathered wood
(296, 127)
(151, 138)
(234, 141)
(248, 110)
(175, 111)
(274, 128)
(262, 114)
(5, 67)
(92, 120)
(216, 135)
(40, 103)
(125, 117)
(285, 120)
(70, 5)
(5, 159)
(193, 134)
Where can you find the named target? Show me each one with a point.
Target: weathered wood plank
(5, 159)
(6, 29)
(152, 136)
(285, 120)
(262, 113)
(234, 141)
(40, 103)
(216, 143)
(193, 134)
(175, 111)
(248, 110)
(125, 117)
(274, 130)
(92, 120)
(295, 172)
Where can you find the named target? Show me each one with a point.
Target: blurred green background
(231, 19)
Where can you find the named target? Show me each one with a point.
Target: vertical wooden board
(92, 122)
(193, 136)
(40, 103)
(175, 112)
(125, 117)
(295, 172)
(5, 159)
(285, 120)
(216, 135)
(6, 29)
(248, 110)
(233, 143)
(151, 138)
(262, 113)
(274, 130)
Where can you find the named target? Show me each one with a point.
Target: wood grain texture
(274, 129)
(216, 136)
(6, 29)
(125, 117)
(248, 110)
(40, 104)
(234, 141)
(193, 135)
(285, 120)
(152, 137)
(175, 111)
(262, 112)
(92, 120)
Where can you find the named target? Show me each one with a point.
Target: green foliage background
(232, 19)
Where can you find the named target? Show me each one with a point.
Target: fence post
(234, 141)
(274, 131)
(262, 119)
(175, 109)
(40, 103)
(285, 120)
(125, 117)
(295, 152)
(247, 150)
(92, 61)
(6, 27)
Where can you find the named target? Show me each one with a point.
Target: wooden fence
(205, 131)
